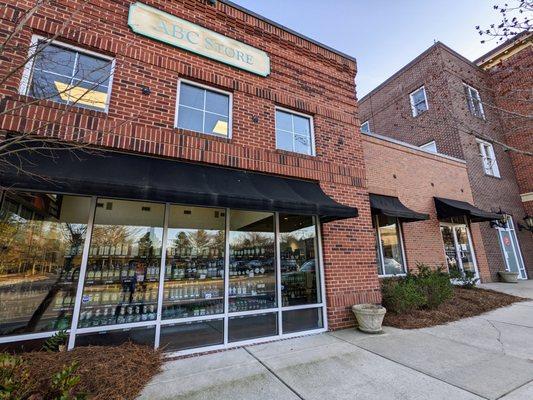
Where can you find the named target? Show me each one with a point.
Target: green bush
(434, 284)
(401, 295)
(59, 338)
(466, 279)
(14, 378)
(64, 383)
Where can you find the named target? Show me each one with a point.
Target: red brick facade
(450, 124)
(305, 77)
(415, 177)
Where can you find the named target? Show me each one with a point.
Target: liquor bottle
(121, 319)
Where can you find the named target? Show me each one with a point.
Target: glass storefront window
(191, 335)
(302, 320)
(252, 271)
(194, 270)
(299, 278)
(459, 253)
(41, 245)
(390, 253)
(144, 336)
(252, 327)
(122, 277)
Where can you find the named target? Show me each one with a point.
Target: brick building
(443, 102)
(509, 67)
(414, 176)
(212, 149)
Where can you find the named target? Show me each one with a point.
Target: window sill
(493, 176)
(293, 153)
(392, 276)
(202, 135)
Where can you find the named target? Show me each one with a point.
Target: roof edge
(289, 30)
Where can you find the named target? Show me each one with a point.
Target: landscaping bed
(463, 304)
(104, 372)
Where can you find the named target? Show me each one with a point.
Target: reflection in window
(67, 76)
(122, 278)
(203, 110)
(299, 278)
(194, 271)
(389, 247)
(252, 327)
(41, 244)
(252, 270)
(419, 101)
(190, 335)
(302, 320)
(293, 132)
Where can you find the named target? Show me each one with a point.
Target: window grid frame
(474, 97)
(28, 71)
(488, 158)
(414, 104)
(381, 259)
(205, 88)
(294, 133)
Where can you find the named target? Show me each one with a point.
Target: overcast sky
(383, 35)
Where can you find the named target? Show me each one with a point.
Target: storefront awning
(447, 208)
(393, 207)
(129, 176)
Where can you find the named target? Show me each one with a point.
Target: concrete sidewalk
(484, 357)
(520, 289)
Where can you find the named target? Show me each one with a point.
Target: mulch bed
(465, 303)
(106, 372)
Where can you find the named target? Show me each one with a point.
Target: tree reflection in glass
(252, 270)
(299, 278)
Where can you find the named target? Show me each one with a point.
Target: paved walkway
(484, 357)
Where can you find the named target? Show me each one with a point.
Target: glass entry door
(511, 249)
(458, 248)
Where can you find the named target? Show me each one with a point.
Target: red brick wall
(304, 77)
(415, 177)
(449, 122)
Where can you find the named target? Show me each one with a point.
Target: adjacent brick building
(442, 100)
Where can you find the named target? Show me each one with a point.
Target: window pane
(194, 271)
(299, 277)
(284, 121)
(421, 107)
(252, 327)
(49, 86)
(216, 124)
(121, 282)
(93, 69)
(302, 320)
(40, 260)
(464, 249)
(302, 144)
(56, 59)
(302, 125)
(390, 243)
(191, 96)
(217, 103)
(418, 96)
(191, 335)
(284, 141)
(252, 270)
(190, 119)
(142, 336)
(88, 95)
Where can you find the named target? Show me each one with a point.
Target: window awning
(447, 208)
(393, 207)
(129, 176)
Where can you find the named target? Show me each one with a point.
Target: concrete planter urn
(509, 277)
(369, 317)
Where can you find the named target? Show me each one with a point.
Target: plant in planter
(508, 276)
(369, 317)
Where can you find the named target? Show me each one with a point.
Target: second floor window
(419, 101)
(202, 109)
(473, 101)
(488, 157)
(68, 75)
(365, 127)
(294, 132)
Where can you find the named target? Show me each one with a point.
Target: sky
(384, 35)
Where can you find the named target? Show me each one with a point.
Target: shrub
(57, 339)
(64, 383)
(434, 284)
(14, 378)
(401, 295)
(466, 279)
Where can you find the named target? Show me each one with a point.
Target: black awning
(129, 176)
(447, 208)
(393, 207)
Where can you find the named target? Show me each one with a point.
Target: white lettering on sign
(159, 25)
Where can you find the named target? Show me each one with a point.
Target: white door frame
(510, 229)
(456, 244)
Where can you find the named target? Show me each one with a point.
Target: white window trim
(367, 123)
(470, 101)
(509, 227)
(483, 145)
(423, 147)
(312, 130)
(411, 99)
(380, 261)
(212, 89)
(28, 68)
